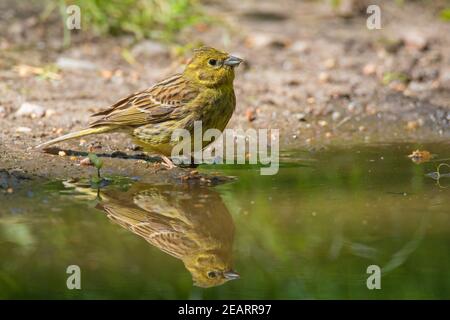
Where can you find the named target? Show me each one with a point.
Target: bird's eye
(212, 274)
(212, 62)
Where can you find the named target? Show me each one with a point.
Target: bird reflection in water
(189, 223)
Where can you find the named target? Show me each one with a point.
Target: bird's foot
(168, 163)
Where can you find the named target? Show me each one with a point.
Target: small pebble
(30, 110)
(412, 125)
(371, 110)
(369, 69)
(86, 162)
(322, 123)
(49, 113)
(135, 147)
(61, 153)
(324, 77)
(23, 129)
(118, 154)
(351, 107)
(74, 64)
(330, 63)
(336, 115)
(250, 114)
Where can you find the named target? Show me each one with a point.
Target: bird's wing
(168, 235)
(153, 105)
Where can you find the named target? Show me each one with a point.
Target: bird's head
(211, 68)
(210, 270)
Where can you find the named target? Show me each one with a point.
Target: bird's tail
(77, 134)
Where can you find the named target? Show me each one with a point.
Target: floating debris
(419, 156)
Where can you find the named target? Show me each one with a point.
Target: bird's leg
(167, 163)
(193, 164)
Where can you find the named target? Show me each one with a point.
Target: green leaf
(389, 77)
(445, 14)
(96, 161)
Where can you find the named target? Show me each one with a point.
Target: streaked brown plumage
(203, 92)
(189, 223)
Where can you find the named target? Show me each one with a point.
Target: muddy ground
(320, 77)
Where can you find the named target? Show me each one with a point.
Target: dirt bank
(318, 77)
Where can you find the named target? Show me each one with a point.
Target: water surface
(309, 232)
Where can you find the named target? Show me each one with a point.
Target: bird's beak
(232, 61)
(231, 275)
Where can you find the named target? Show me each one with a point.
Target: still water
(309, 232)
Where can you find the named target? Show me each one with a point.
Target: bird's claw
(168, 163)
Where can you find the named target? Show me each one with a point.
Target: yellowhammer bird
(189, 223)
(203, 92)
